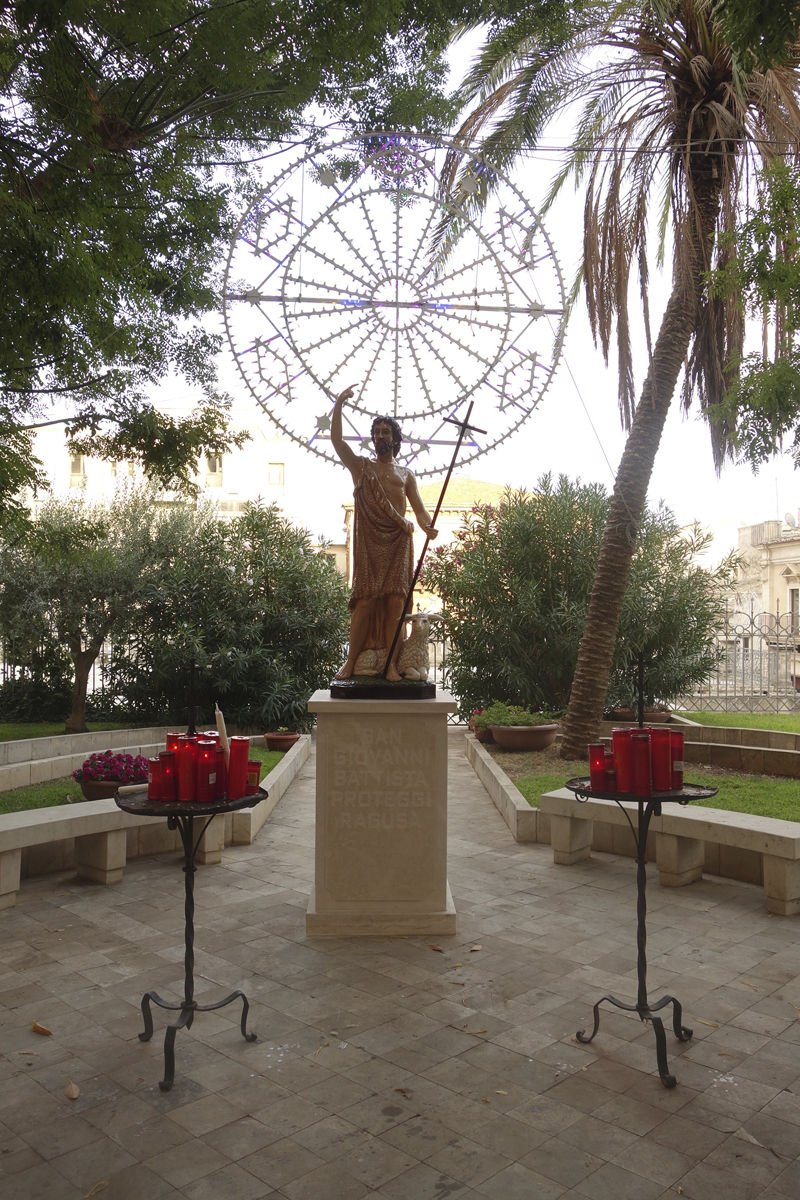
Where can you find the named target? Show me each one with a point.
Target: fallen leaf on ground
(72, 1091)
(711, 1024)
(97, 1187)
(485, 1101)
(474, 948)
(29, 1053)
(726, 1054)
(437, 948)
(37, 1028)
(322, 1047)
(456, 965)
(456, 983)
(746, 984)
(403, 1090)
(498, 1093)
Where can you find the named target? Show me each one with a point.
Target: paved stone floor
(385, 1066)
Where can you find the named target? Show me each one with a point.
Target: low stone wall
(530, 825)
(240, 828)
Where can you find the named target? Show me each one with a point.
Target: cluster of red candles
(195, 767)
(641, 761)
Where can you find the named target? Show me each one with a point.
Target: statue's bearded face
(383, 438)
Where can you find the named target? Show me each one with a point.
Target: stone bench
(104, 837)
(680, 836)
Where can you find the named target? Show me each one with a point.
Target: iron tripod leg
(188, 1006)
(642, 1007)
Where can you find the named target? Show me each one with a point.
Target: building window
(131, 469)
(794, 608)
(77, 471)
(275, 475)
(214, 470)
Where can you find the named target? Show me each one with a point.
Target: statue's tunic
(383, 563)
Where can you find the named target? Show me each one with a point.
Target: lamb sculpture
(412, 662)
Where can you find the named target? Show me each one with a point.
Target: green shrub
(516, 583)
(509, 714)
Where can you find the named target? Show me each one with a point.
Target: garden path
(387, 1067)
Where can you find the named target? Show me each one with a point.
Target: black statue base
(372, 687)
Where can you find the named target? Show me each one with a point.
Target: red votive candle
(623, 763)
(222, 775)
(169, 775)
(187, 767)
(172, 741)
(237, 767)
(253, 776)
(206, 770)
(210, 735)
(153, 779)
(676, 749)
(611, 772)
(640, 756)
(661, 759)
(597, 767)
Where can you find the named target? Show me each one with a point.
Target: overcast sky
(559, 436)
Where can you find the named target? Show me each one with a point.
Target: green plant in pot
(281, 739)
(514, 727)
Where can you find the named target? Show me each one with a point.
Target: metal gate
(758, 665)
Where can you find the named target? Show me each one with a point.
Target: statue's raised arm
(346, 454)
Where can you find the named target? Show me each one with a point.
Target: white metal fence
(758, 667)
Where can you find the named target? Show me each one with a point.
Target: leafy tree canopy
(761, 32)
(515, 586)
(113, 210)
(262, 612)
(762, 406)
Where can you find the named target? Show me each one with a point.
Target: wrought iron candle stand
(648, 807)
(180, 816)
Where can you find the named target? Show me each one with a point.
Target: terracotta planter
(100, 789)
(524, 737)
(280, 741)
(484, 735)
(628, 717)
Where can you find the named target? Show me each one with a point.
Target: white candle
(223, 733)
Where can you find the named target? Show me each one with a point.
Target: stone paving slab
(385, 1067)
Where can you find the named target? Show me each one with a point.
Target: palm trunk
(82, 661)
(590, 682)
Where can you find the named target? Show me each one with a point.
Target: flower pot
(280, 741)
(100, 789)
(524, 737)
(484, 735)
(628, 717)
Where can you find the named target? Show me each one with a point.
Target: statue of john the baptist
(383, 544)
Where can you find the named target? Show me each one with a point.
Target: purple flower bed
(119, 768)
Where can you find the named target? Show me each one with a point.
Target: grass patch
(269, 758)
(762, 795)
(48, 795)
(780, 722)
(14, 731)
(40, 795)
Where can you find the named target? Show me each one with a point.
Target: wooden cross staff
(463, 427)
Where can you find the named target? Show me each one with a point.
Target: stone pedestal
(381, 824)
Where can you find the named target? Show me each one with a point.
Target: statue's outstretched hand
(347, 394)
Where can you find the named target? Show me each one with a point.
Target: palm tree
(667, 118)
